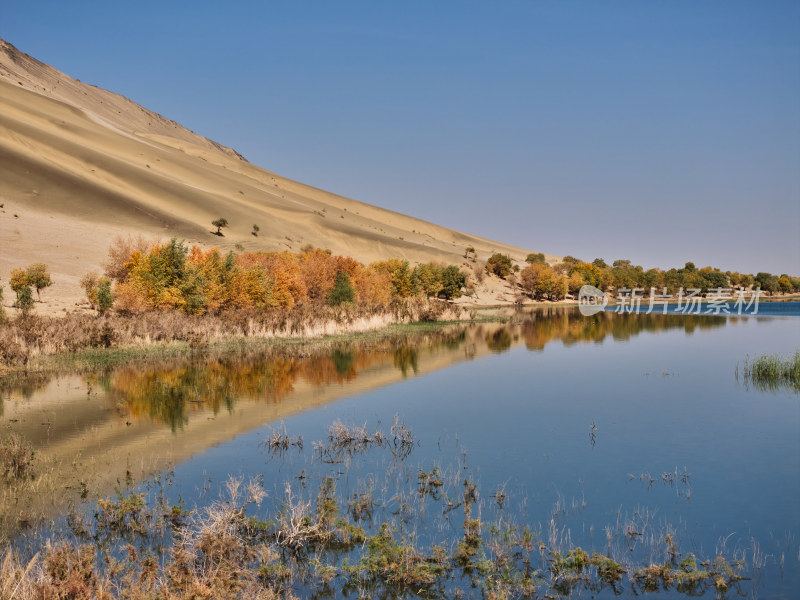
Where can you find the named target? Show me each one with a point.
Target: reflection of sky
(660, 401)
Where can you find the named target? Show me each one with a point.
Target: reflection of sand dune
(96, 439)
(79, 164)
(122, 429)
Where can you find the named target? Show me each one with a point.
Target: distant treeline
(543, 281)
(142, 277)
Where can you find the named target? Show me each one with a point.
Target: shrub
(98, 291)
(535, 257)
(499, 264)
(256, 229)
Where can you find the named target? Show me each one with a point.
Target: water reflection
(169, 393)
(90, 431)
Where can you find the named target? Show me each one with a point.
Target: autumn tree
(119, 254)
(318, 268)
(19, 279)
(399, 274)
(38, 277)
(427, 278)
(499, 264)
(575, 283)
(784, 285)
(35, 276)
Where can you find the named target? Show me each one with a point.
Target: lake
(612, 433)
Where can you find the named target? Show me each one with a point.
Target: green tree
(453, 280)
(499, 264)
(470, 253)
(256, 229)
(535, 257)
(24, 299)
(767, 282)
(342, 291)
(105, 297)
(219, 224)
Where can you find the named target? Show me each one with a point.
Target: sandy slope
(80, 165)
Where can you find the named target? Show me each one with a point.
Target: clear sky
(660, 131)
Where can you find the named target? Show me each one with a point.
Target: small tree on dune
(534, 258)
(36, 275)
(499, 264)
(39, 278)
(256, 229)
(219, 224)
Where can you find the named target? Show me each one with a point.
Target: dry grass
(25, 339)
(16, 458)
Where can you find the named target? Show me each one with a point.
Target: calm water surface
(584, 422)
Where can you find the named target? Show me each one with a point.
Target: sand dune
(79, 165)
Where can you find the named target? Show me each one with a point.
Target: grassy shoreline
(145, 351)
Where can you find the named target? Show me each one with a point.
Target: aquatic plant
(772, 372)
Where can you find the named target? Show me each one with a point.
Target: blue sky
(660, 131)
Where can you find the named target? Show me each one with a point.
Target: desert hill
(80, 165)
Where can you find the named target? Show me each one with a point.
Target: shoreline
(188, 342)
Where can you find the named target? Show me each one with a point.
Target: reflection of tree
(163, 394)
(404, 357)
(499, 341)
(169, 392)
(571, 327)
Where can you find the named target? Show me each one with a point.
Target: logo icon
(591, 300)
